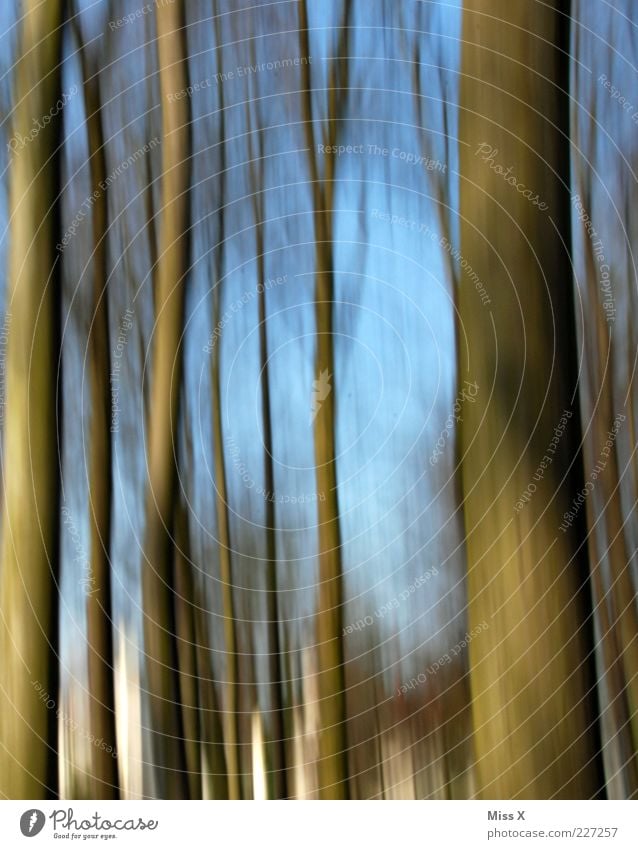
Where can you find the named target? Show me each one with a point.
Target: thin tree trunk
(231, 700)
(104, 775)
(231, 730)
(186, 652)
(604, 147)
(212, 732)
(169, 282)
(274, 724)
(331, 684)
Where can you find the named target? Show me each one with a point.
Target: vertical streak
(533, 712)
(186, 652)
(276, 750)
(607, 381)
(104, 773)
(212, 733)
(28, 591)
(332, 738)
(214, 759)
(231, 730)
(231, 717)
(170, 269)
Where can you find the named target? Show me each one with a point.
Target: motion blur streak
(28, 581)
(603, 174)
(531, 699)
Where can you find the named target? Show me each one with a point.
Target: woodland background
(271, 417)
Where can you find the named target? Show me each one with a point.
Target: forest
(317, 402)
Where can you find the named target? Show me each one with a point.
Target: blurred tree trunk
(169, 282)
(104, 775)
(231, 695)
(605, 229)
(332, 707)
(231, 731)
(275, 747)
(212, 732)
(28, 580)
(185, 630)
(534, 715)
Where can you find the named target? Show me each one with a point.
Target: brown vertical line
(612, 663)
(613, 677)
(571, 366)
(29, 556)
(231, 702)
(231, 724)
(185, 632)
(212, 731)
(616, 618)
(613, 600)
(104, 770)
(453, 730)
(332, 767)
(276, 748)
(211, 736)
(168, 280)
(533, 710)
(622, 600)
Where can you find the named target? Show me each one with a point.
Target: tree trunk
(533, 710)
(604, 230)
(104, 774)
(28, 572)
(169, 283)
(332, 738)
